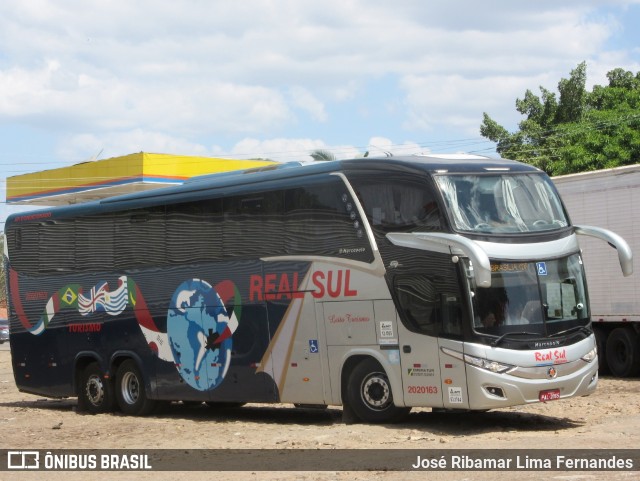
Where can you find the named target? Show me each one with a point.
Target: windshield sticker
(542, 268)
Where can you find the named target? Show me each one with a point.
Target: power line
(339, 152)
(558, 132)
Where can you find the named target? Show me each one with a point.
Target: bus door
(431, 314)
(418, 358)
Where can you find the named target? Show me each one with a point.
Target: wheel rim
(130, 388)
(95, 390)
(375, 391)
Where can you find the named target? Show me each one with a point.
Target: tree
(577, 131)
(321, 155)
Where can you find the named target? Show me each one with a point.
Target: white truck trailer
(611, 199)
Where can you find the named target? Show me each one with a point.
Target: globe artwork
(196, 321)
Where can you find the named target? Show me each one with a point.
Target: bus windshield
(502, 203)
(537, 298)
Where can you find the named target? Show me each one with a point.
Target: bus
(453, 282)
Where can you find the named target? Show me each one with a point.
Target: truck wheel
(601, 345)
(623, 352)
(130, 392)
(369, 394)
(95, 392)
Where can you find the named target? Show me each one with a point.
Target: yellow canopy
(117, 175)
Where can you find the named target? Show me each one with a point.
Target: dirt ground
(608, 419)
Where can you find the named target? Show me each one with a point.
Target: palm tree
(321, 155)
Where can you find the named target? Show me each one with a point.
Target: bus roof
(283, 174)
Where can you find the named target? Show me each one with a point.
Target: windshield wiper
(519, 333)
(570, 330)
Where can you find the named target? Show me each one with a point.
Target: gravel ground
(608, 419)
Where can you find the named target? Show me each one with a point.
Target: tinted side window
(419, 303)
(194, 231)
(322, 219)
(424, 307)
(140, 238)
(396, 202)
(22, 242)
(95, 243)
(254, 225)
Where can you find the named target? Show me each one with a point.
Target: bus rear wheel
(130, 391)
(95, 392)
(369, 394)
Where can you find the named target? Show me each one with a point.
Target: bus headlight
(488, 364)
(590, 356)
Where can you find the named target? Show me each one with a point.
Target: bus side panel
(41, 365)
(455, 392)
(293, 358)
(45, 337)
(232, 368)
(302, 361)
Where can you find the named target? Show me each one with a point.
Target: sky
(83, 79)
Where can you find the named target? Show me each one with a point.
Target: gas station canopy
(118, 175)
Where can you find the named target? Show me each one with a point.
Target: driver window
(427, 309)
(419, 303)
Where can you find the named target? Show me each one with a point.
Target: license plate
(550, 395)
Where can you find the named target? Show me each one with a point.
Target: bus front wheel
(130, 392)
(369, 394)
(95, 391)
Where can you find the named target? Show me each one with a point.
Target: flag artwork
(99, 299)
(213, 345)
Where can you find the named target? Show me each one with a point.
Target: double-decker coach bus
(450, 282)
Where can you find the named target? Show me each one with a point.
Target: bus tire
(369, 394)
(130, 391)
(95, 394)
(623, 352)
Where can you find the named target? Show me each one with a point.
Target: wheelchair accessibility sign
(542, 268)
(313, 346)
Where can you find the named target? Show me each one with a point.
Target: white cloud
(88, 146)
(459, 101)
(188, 74)
(285, 150)
(305, 100)
(106, 102)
